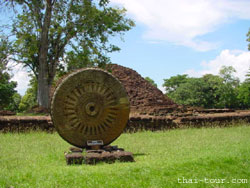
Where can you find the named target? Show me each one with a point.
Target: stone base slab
(107, 154)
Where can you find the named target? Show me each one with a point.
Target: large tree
(49, 32)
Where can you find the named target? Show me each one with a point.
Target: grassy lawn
(36, 159)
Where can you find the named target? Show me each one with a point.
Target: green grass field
(163, 159)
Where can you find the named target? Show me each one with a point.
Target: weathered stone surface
(92, 158)
(108, 157)
(95, 151)
(25, 123)
(124, 156)
(144, 97)
(90, 104)
(108, 154)
(74, 158)
(171, 121)
(75, 149)
(110, 148)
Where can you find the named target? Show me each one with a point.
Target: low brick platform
(25, 123)
(136, 122)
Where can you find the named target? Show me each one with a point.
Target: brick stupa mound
(144, 97)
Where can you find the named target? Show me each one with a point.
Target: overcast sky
(173, 37)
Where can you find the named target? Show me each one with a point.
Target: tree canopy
(209, 91)
(174, 82)
(57, 34)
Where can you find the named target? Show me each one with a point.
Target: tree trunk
(43, 69)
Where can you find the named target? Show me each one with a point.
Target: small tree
(229, 90)
(29, 99)
(226, 72)
(151, 81)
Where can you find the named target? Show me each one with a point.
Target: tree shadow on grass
(139, 154)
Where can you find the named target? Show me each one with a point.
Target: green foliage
(36, 160)
(244, 94)
(29, 100)
(189, 93)
(79, 30)
(7, 90)
(209, 91)
(226, 72)
(5, 49)
(14, 103)
(229, 96)
(248, 39)
(59, 35)
(151, 81)
(248, 76)
(9, 98)
(174, 82)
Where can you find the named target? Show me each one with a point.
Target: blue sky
(192, 42)
(192, 37)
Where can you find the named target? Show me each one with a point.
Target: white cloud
(160, 87)
(20, 75)
(240, 60)
(182, 21)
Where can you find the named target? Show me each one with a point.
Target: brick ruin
(150, 109)
(145, 99)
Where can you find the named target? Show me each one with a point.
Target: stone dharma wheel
(88, 106)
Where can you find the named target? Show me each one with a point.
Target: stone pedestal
(107, 154)
(74, 158)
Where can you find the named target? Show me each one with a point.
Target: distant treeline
(210, 91)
